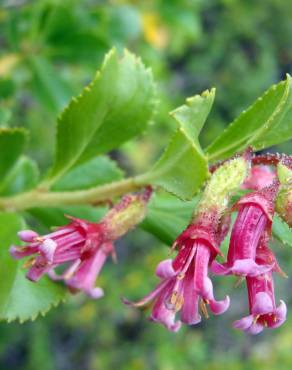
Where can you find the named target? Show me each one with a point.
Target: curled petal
(27, 236)
(280, 315)
(165, 270)
(219, 307)
(255, 328)
(244, 323)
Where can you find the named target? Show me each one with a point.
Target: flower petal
(48, 248)
(189, 311)
(262, 304)
(27, 236)
(219, 269)
(248, 267)
(280, 314)
(85, 276)
(255, 328)
(20, 252)
(165, 270)
(160, 313)
(244, 323)
(219, 307)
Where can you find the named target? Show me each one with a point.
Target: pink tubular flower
(81, 247)
(262, 306)
(185, 285)
(253, 221)
(260, 177)
(80, 244)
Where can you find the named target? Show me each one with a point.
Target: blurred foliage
(48, 51)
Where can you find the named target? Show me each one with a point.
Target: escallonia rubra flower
(81, 247)
(185, 286)
(263, 310)
(254, 220)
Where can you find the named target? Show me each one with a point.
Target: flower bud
(224, 181)
(127, 214)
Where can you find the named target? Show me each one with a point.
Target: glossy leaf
(12, 143)
(183, 167)
(23, 176)
(20, 298)
(267, 122)
(168, 216)
(115, 107)
(97, 171)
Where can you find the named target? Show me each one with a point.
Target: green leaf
(267, 122)
(115, 107)
(23, 176)
(183, 167)
(48, 86)
(168, 216)
(12, 144)
(97, 171)
(20, 298)
(282, 231)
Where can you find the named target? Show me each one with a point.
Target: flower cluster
(75, 253)
(81, 247)
(185, 286)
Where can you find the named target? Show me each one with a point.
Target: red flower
(185, 285)
(82, 245)
(253, 221)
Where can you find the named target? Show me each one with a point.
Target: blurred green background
(48, 51)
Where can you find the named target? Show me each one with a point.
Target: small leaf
(12, 144)
(267, 122)
(115, 107)
(168, 216)
(97, 171)
(23, 176)
(183, 167)
(282, 231)
(20, 298)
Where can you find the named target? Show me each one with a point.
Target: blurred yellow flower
(7, 63)
(155, 32)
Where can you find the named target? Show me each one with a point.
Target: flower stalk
(44, 198)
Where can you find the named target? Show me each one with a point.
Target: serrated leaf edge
(152, 174)
(216, 155)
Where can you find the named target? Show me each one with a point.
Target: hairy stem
(44, 198)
